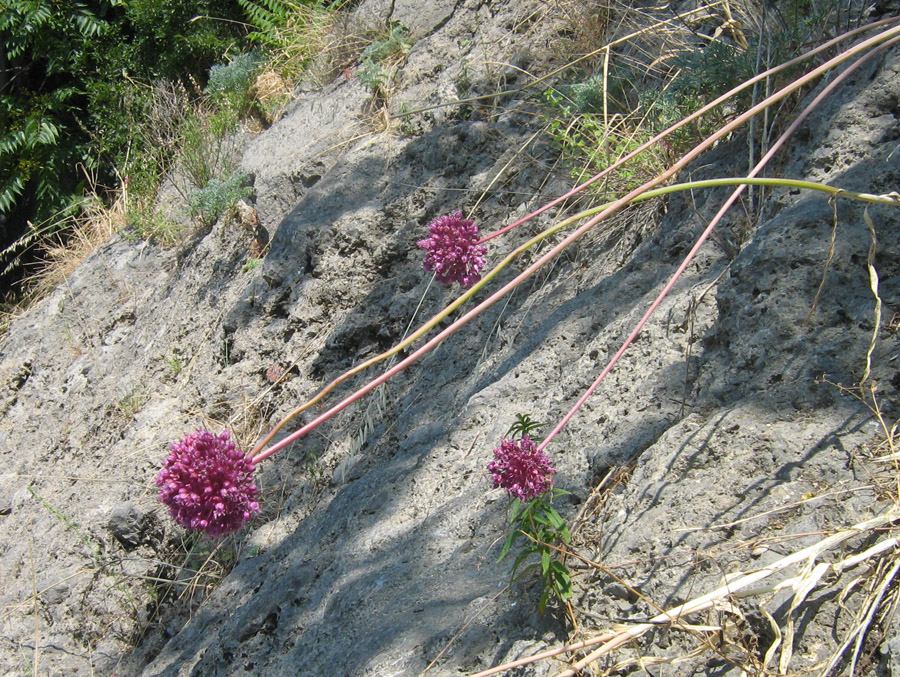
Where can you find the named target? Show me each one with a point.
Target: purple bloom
(453, 250)
(521, 469)
(207, 482)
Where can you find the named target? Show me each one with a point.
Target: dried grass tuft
(91, 226)
(272, 91)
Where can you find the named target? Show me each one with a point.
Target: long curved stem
(702, 111)
(434, 321)
(528, 272)
(886, 199)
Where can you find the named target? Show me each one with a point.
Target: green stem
(462, 299)
(693, 116)
(890, 199)
(597, 214)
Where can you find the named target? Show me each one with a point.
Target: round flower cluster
(521, 469)
(453, 252)
(207, 482)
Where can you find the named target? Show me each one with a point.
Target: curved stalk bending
(539, 263)
(434, 321)
(835, 192)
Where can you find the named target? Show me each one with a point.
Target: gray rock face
(129, 525)
(375, 552)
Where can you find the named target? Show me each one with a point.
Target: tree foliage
(74, 80)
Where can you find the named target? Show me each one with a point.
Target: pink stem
(355, 370)
(685, 121)
(706, 233)
(534, 267)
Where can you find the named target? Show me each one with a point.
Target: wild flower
(453, 251)
(456, 254)
(521, 469)
(207, 482)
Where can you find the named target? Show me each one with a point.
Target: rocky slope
(375, 552)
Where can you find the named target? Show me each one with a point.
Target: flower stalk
(228, 515)
(260, 451)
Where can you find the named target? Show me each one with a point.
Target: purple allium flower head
(453, 250)
(207, 482)
(521, 469)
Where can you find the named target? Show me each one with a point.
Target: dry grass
(736, 623)
(79, 235)
(312, 43)
(273, 92)
(722, 631)
(62, 243)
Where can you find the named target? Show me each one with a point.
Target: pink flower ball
(453, 252)
(207, 482)
(521, 469)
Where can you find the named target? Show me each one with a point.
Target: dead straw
(736, 585)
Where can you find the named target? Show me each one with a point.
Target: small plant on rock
(526, 474)
(147, 223)
(379, 61)
(229, 84)
(217, 197)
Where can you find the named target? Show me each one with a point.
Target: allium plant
(453, 250)
(521, 469)
(455, 253)
(207, 482)
(526, 474)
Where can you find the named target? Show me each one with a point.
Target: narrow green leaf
(522, 574)
(542, 603)
(507, 545)
(541, 518)
(514, 509)
(522, 556)
(554, 519)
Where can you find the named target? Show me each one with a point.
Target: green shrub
(217, 197)
(590, 142)
(74, 90)
(150, 224)
(229, 84)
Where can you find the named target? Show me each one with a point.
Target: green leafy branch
(545, 534)
(525, 425)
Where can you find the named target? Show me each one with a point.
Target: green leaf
(522, 574)
(542, 603)
(541, 518)
(524, 425)
(9, 193)
(545, 561)
(514, 509)
(554, 519)
(48, 133)
(562, 580)
(521, 558)
(506, 546)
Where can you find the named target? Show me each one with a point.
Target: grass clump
(208, 146)
(589, 141)
(148, 223)
(292, 33)
(217, 197)
(65, 240)
(379, 62)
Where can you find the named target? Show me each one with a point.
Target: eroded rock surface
(375, 552)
